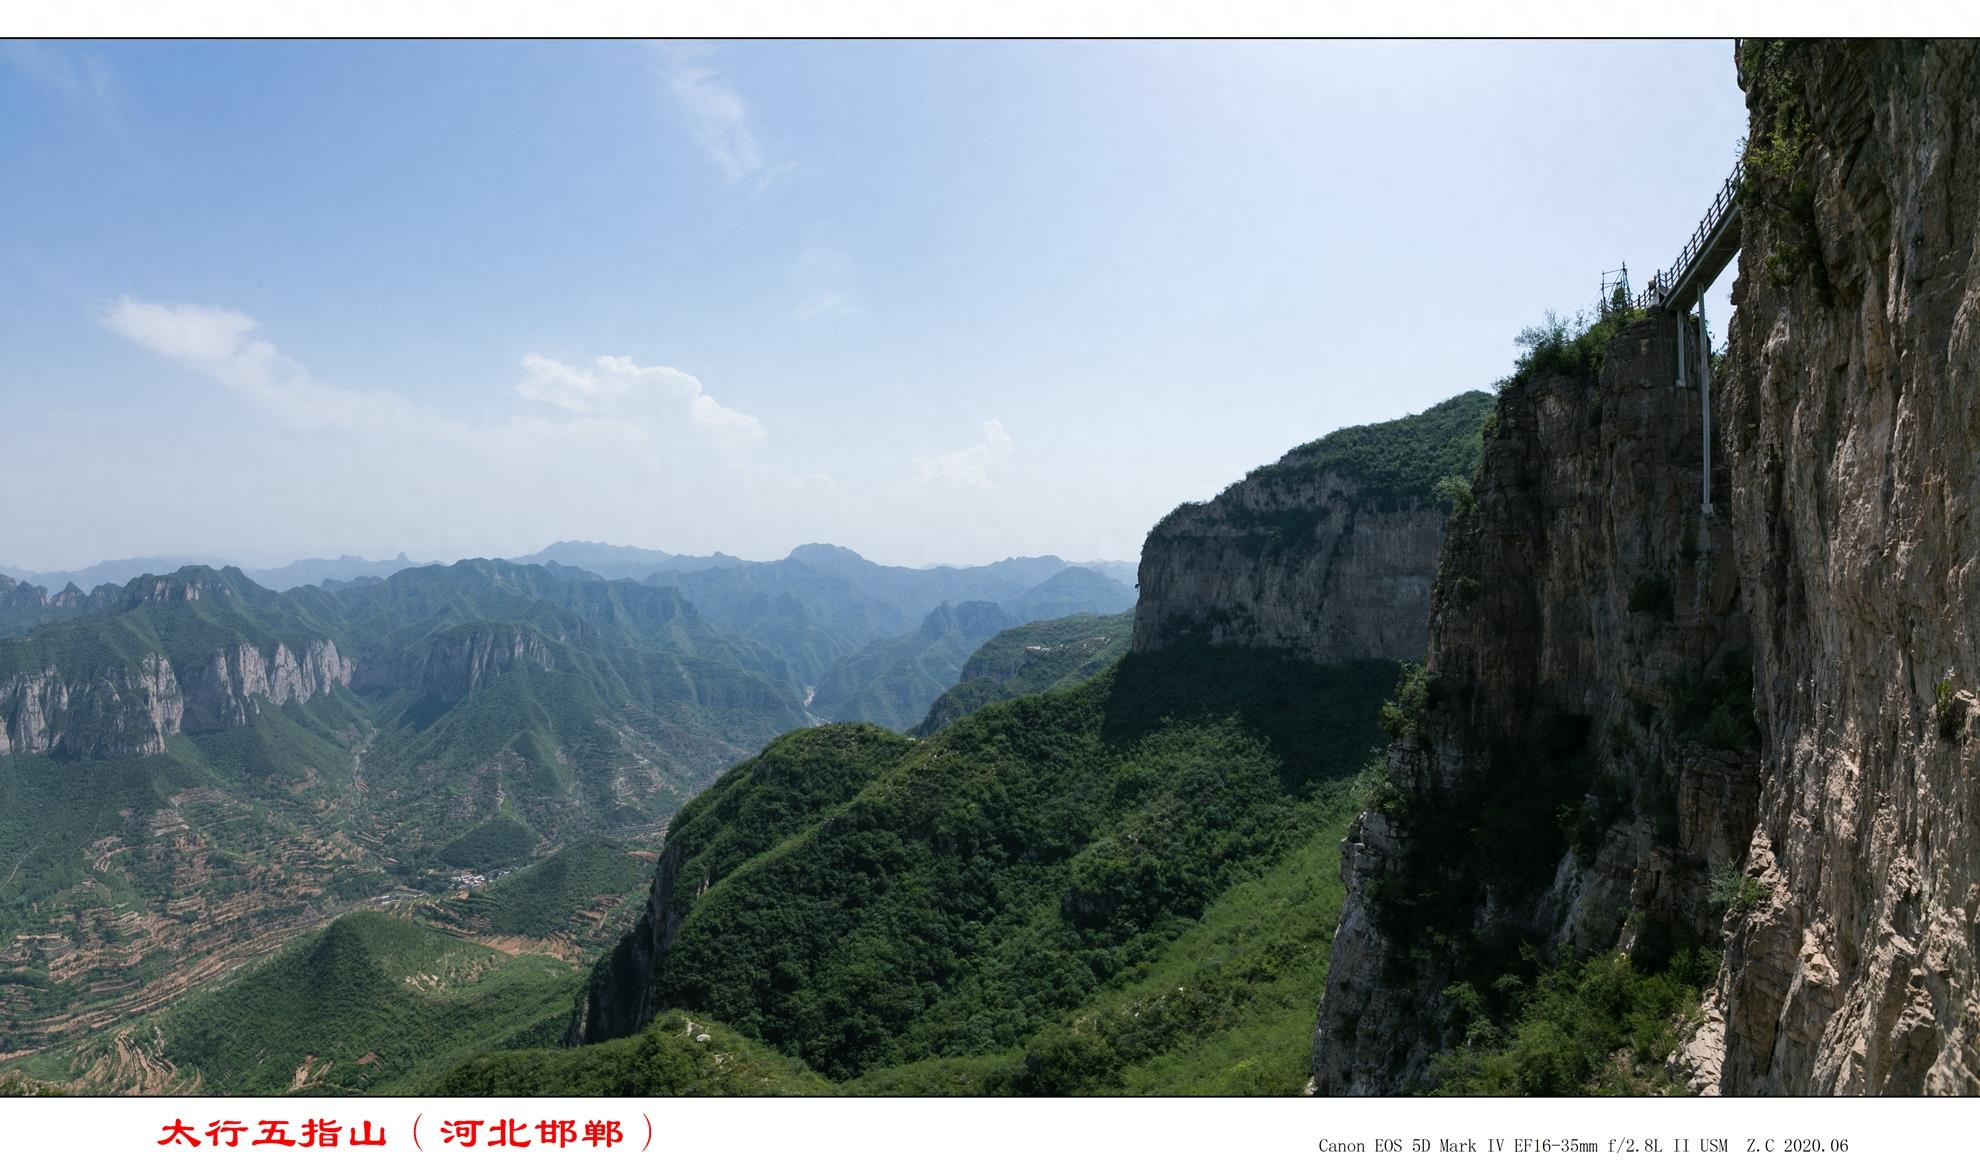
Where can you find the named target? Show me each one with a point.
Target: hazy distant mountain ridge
(823, 603)
(621, 561)
(891, 682)
(306, 572)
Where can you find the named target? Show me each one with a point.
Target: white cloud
(218, 343)
(84, 79)
(620, 386)
(198, 335)
(644, 410)
(971, 467)
(715, 113)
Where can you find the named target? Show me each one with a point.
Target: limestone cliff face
(1854, 420)
(1304, 556)
(224, 689)
(1562, 786)
(128, 708)
(460, 663)
(121, 711)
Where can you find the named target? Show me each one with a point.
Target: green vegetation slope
(964, 896)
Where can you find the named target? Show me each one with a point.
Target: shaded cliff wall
(620, 996)
(1564, 782)
(1854, 416)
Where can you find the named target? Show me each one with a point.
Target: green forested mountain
(866, 903)
(1093, 873)
(810, 618)
(837, 619)
(1036, 657)
(1397, 462)
(575, 893)
(115, 574)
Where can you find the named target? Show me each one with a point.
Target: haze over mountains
(304, 572)
(607, 561)
(196, 769)
(194, 766)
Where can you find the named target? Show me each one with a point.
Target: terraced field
(375, 995)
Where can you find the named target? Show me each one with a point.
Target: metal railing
(1663, 282)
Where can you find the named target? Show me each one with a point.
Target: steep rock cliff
(1327, 554)
(123, 709)
(1855, 444)
(460, 662)
(1835, 808)
(1572, 770)
(163, 654)
(223, 690)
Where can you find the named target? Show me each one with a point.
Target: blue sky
(944, 301)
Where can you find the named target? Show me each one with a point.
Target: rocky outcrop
(1578, 757)
(1318, 555)
(221, 691)
(457, 662)
(17, 595)
(24, 604)
(26, 596)
(129, 708)
(122, 711)
(460, 663)
(1855, 450)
